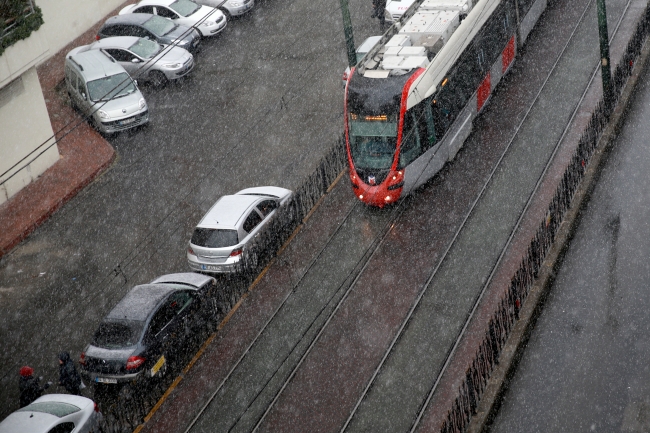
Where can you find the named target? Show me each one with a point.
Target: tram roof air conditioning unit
(462, 6)
(424, 26)
(399, 41)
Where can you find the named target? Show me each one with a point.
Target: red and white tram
(411, 101)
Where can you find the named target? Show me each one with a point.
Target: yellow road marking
(232, 311)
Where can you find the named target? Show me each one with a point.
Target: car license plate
(126, 121)
(158, 365)
(105, 380)
(210, 267)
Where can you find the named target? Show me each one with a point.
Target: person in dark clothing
(68, 375)
(378, 10)
(30, 387)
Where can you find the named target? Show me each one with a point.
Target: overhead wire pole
(605, 70)
(347, 29)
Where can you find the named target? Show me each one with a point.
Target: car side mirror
(83, 95)
(135, 60)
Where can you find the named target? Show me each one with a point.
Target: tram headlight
(360, 196)
(388, 198)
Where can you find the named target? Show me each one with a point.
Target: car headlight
(208, 23)
(142, 103)
(172, 65)
(103, 114)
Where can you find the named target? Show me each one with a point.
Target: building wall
(25, 128)
(65, 20)
(24, 125)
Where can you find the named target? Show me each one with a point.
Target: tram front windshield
(373, 140)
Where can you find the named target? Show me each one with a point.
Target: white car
(396, 8)
(144, 59)
(207, 20)
(230, 225)
(361, 51)
(54, 413)
(231, 8)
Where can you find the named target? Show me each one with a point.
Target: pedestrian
(30, 387)
(380, 11)
(68, 375)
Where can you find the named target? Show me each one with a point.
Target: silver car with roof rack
(103, 91)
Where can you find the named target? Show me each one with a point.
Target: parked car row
(155, 322)
(152, 40)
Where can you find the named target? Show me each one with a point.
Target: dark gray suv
(153, 27)
(150, 326)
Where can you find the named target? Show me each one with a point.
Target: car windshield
(118, 334)
(214, 238)
(185, 8)
(113, 86)
(145, 48)
(159, 26)
(55, 408)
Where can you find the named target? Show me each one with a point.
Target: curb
(515, 346)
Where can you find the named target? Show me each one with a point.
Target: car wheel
(158, 79)
(226, 13)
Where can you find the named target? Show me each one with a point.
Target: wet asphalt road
(262, 105)
(585, 367)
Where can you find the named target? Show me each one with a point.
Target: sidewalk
(84, 155)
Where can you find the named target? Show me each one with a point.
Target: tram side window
(410, 148)
(426, 129)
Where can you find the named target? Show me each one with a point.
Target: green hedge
(25, 24)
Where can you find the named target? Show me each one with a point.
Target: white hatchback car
(62, 413)
(207, 20)
(230, 225)
(231, 8)
(144, 59)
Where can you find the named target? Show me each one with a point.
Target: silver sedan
(146, 60)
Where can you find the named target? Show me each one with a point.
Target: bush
(17, 15)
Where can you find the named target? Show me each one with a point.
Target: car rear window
(116, 335)
(214, 238)
(55, 408)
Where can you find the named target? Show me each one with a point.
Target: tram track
(329, 310)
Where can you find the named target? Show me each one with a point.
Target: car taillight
(236, 252)
(96, 37)
(345, 76)
(82, 358)
(96, 407)
(190, 251)
(134, 362)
